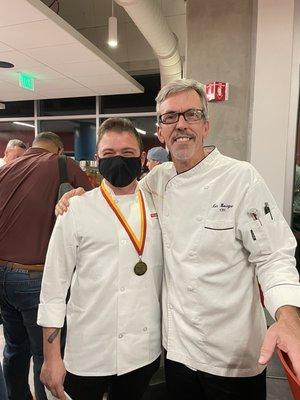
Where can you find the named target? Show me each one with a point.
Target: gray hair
(15, 143)
(49, 137)
(182, 85)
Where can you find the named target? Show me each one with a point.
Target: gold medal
(140, 268)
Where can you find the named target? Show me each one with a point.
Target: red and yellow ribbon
(138, 243)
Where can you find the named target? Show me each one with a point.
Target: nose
(181, 123)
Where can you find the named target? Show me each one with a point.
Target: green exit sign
(26, 81)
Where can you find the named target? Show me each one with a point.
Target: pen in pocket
(267, 210)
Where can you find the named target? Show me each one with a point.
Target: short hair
(158, 154)
(117, 124)
(182, 85)
(49, 137)
(16, 143)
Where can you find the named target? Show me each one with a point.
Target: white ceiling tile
(9, 92)
(115, 89)
(18, 59)
(64, 92)
(9, 76)
(43, 72)
(100, 80)
(4, 47)
(18, 12)
(56, 84)
(69, 53)
(34, 34)
(40, 73)
(83, 68)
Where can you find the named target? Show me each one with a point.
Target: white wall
(219, 49)
(293, 115)
(275, 98)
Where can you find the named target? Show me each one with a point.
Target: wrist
(288, 312)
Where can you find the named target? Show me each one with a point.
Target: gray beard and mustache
(185, 152)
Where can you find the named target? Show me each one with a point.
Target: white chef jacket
(113, 315)
(2, 162)
(215, 251)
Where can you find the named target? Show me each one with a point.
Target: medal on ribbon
(139, 243)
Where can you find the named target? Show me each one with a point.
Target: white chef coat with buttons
(222, 233)
(113, 315)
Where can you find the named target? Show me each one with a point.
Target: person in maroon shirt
(28, 194)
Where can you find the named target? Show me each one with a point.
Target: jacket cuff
(282, 295)
(51, 315)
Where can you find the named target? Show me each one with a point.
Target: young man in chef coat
(112, 235)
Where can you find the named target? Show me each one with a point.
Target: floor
(277, 385)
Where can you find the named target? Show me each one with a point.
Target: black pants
(130, 386)
(184, 383)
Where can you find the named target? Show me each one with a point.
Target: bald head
(49, 141)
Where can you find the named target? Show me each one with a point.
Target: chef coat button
(192, 253)
(199, 219)
(121, 335)
(122, 289)
(123, 241)
(145, 329)
(190, 289)
(168, 245)
(170, 307)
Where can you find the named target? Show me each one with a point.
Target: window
(70, 106)
(78, 136)
(9, 130)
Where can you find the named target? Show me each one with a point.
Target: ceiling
(63, 62)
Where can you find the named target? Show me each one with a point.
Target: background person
(15, 148)
(29, 189)
(156, 156)
(113, 237)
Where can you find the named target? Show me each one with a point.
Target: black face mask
(120, 171)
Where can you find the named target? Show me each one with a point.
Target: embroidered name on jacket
(223, 206)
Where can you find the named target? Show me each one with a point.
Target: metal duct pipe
(148, 17)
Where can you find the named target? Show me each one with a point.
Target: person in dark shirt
(28, 193)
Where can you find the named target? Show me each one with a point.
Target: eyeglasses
(191, 115)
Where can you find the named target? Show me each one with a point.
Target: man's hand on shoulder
(63, 204)
(285, 334)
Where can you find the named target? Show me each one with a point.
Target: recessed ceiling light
(4, 64)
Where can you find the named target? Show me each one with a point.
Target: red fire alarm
(217, 91)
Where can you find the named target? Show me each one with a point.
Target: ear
(206, 129)
(159, 134)
(143, 158)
